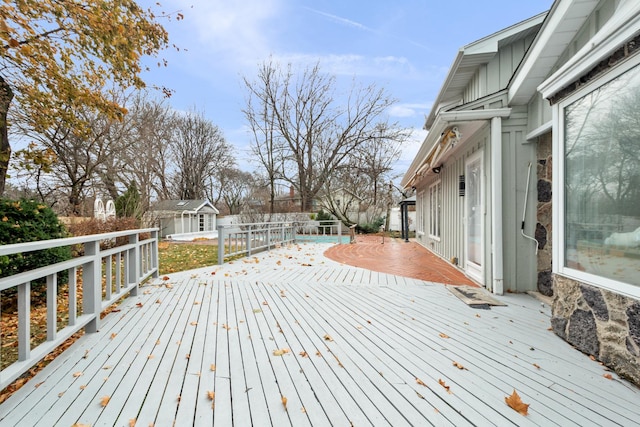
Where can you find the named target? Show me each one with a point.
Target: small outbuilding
(185, 219)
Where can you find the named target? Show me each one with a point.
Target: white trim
(496, 203)
(540, 130)
(619, 29)
(558, 188)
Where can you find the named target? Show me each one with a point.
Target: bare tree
(312, 133)
(199, 151)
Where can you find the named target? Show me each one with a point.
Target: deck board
(154, 360)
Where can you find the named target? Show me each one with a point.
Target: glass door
(474, 214)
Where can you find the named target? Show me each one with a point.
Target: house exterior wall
(495, 75)
(519, 265)
(596, 314)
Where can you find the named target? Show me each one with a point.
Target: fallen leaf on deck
(83, 386)
(105, 400)
(78, 374)
(212, 367)
(211, 395)
(318, 353)
(304, 354)
(132, 422)
(194, 323)
(608, 376)
(536, 365)
(39, 384)
(151, 356)
(86, 354)
(446, 387)
(113, 335)
(284, 402)
(420, 382)
(306, 265)
(443, 335)
(327, 337)
(265, 303)
(188, 356)
(81, 425)
(139, 304)
(257, 310)
(515, 402)
(280, 352)
(458, 365)
(165, 278)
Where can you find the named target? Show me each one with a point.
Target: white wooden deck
(357, 342)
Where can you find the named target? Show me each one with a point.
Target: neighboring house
(180, 219)
(351, 206)
(545, 114)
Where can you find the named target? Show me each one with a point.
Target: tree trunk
(6, 95)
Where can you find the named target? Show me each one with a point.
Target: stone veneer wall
(544, 217)
(600, 323)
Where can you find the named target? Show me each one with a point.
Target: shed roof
(183, 205)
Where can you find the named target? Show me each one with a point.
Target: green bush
(370, 227)
(27, 221)
(322, 217)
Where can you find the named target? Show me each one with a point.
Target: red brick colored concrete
(395, 256)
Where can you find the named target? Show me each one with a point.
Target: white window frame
(435, 210)
(558, 188)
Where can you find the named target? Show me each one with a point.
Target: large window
(435, 207)
(600, 136)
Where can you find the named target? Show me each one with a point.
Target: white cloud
(408, 110)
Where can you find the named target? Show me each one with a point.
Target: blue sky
(405, 46)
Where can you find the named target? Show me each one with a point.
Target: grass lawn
(176, 257)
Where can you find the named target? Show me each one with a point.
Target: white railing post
(220, 245)
(52, 306)
(339, 232)
(24, 321)
(134, 264)
(92, 285)
(155, 257)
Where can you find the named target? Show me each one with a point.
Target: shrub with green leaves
(370, 227)
(24, 221)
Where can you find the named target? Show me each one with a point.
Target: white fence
(245, 239)
(107, 275)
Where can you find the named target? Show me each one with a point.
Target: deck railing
(245, 239)
(106, 275)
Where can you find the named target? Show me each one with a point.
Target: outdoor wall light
(437, 169)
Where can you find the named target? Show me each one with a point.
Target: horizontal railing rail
(248, 238)
(106, 275)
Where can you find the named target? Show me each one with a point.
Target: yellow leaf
(132, 422)
(211, 395)
(104, 401)
(78, 374)
(327, 337)
(194, 323)
(280, 352)
(420, 382)
(443, 335)
(515, 402)
(113, 335)
(284, 402)
(304, 354)
(212, 367)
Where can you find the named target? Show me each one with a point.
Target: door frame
(472, 269)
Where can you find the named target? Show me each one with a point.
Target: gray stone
(541, 235)
(582, 332)
(559, 326)
(544, 191)
(633, 318)
(545, 283)
(596, 302)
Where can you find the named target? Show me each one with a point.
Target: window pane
(602, 180)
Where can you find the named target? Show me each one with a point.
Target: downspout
(496, 203)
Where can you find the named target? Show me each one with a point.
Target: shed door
(474, 214)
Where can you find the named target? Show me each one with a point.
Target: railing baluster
(24, 321)
(108, 261)
(92, 286)
(73, 296)
(118, 272)
(52, 306)
(134, 265)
